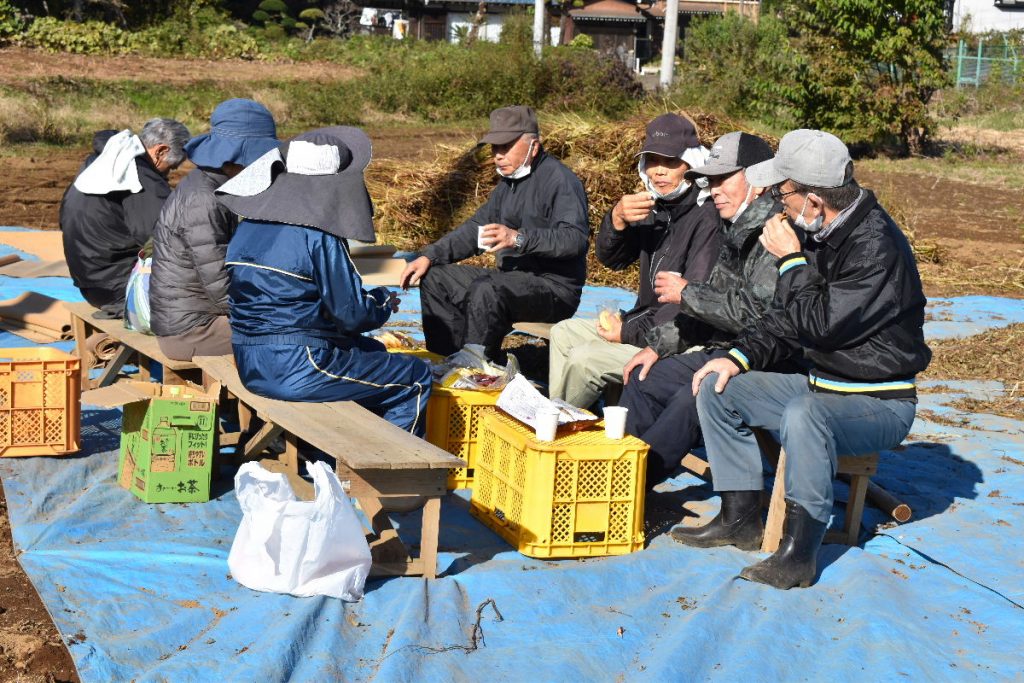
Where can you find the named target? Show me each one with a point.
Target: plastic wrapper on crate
(168, 436)
(40, 412)
(581, 495)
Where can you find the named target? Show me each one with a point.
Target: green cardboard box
(168, 437)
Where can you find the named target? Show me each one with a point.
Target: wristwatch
(520, 240)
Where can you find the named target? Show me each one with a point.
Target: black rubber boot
(795, 562)
(739, 524)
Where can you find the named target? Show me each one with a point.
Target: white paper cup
(547, 424)
(480, 239)
(615, 422)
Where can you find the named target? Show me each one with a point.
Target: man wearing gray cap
(670, 228)
(850, 300)
(662, 410)
(534, 221)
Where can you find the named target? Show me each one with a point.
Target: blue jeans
(815, 428)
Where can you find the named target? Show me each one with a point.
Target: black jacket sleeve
(619, 249)
(460, 243)
(568, 226)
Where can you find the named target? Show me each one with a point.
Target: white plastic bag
(136, 307)
(305, 548)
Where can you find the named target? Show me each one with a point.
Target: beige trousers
(582, 364)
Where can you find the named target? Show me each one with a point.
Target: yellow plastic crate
(422, 354)
(580, 495)
(40, 402)
(453, 423)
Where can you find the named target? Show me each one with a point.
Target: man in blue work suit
(297, 305)
(850, 299)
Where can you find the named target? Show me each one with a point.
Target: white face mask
(524, 168)
(641, 166)
(801, 222)
(744, 205)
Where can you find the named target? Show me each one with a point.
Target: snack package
(396, 340)
(469, 368)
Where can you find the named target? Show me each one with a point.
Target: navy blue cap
(241, 131)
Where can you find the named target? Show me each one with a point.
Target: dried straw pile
(416, 203)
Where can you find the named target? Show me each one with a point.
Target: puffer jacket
(189, 283)
(854, 303)
(740, 288)
(679, 236)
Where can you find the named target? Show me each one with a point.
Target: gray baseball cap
(730, 153)
(809, 157)
(508, 123)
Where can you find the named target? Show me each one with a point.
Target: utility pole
(538, 27)
(668, 44)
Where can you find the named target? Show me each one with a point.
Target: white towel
(114, 170)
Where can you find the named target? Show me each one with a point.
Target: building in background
(980, 16)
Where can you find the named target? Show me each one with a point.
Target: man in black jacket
(850, 299)
(188, 289)
(108, 213)
(535, 221)
(670, 228)
(662, 409)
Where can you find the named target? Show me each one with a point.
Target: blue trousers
(815, 428)
(663, 411)
(395, 386)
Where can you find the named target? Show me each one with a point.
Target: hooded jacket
(855, 306)
(740, 288)
(549, 209)
(677, 236)
(189, 283)
(104, 233)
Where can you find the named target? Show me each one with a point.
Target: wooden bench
(542, 330)
(144, 346)
(383, 463)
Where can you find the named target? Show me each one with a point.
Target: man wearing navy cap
(850, 300)
(670, 227)
(534, 221)
(188, 293)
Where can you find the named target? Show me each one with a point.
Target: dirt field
(975, 224)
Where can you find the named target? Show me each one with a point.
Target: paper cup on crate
(546, 423)
(615, 422)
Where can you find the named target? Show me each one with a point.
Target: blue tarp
(142, 591)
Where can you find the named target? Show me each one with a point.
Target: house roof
(690, 7)
(608, 10)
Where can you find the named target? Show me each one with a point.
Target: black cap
(730, 153)
(670, 135)
(508, 123)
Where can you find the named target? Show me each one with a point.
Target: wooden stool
(858, 467)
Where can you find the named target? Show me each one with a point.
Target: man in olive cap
(849, 300)
(534, 221)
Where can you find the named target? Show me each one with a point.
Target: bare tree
(339, 17)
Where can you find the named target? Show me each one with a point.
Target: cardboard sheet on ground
(36, 316)
(36, 269)
(46, 245)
